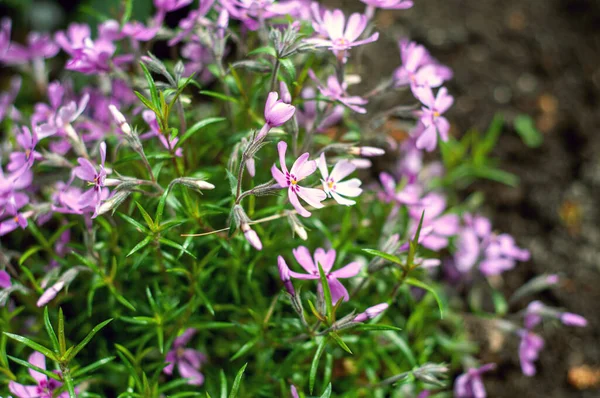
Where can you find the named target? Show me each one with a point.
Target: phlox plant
(211, 221)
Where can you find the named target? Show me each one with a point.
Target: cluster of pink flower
(77, 124)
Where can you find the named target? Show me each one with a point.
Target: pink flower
(371, 312)
(336, 91)
(308, 114)
(301, 169)
(529, 351)
(38, 47)
(333, 184)
(470, 385)
(338, 39)
(21, 161)
(431, 121)
(5, 282)
(86, 171)
(326, 259)
(45, 386)
(188, 360)
(389, 4)
(74, 38)
(419, 68)
(277, 112)
(437, 227)
(5, 28)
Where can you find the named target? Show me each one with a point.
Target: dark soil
(541, 58)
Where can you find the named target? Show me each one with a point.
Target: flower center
(28, 153)
(16, 219)
(436, 114)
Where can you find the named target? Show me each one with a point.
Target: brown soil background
(541, 58)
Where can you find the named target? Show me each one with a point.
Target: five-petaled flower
(188, 360)
(44, 387)
(336, 91)
(301, 169)
(431, 121)
(333, 184)
(326, 259)
(87, 172)
(339, 40)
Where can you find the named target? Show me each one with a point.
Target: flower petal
(348, 271)
(305, 260)
(37, 359)
(325, 258)
(312, 196)
(342, 169)
(337, 290)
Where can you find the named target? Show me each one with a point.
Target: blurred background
(536, 57)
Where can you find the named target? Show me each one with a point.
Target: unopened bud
(297, 226)
(431, 373)
(571, 319)
(120, 120)
(535, 285)
(366, 151)
(113, 202)
(361, 163)
(284, 274)
(251, 236)
(286, 97)
(55, 160)
(371, 312)
(64, 280)
(195, 183)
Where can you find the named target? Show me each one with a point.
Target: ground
(542, 58)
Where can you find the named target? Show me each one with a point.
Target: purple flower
(21, 161)
(7, 99)
(371, 312)
(94, 57)
(308, 115)
(334, 186)
(199, 57)
(251, 236)
(38, 47)
(529, 349)
(44, 388)
(284, 274)
(5, 282)
(419, 68)
(431, 121)
(86, 171)
(408, 195)
(437, 228)
(338, 39)
(536, 310)
(470, 385)
(337, 92)
(74, 38)
(326, 259)
(188, 360)
(277, 113)
(301, 169)
(188, 23)
(171, 5)
(389, 4)
(5, 28)
(501, 254)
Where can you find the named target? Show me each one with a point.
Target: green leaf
(151, 85)
(87, 338)
(61, 331)
(315, 364)
(244, 349)
(28, 253)
(146, 102)
(220, 96)
(327, 392)
(264, 50)
(133, 222)
(525, 127)
(403, 346)
(147, 218)
(289, 67)
(418, 283)
(197, 127)
(223, 384)
(237, 381)
(176, 245)
(140, 245)
(90, 368)
(340, 342)
(500, 176)
(386, 256)
(367, 327)
(33, 345)
(48, 373)
(50, 331)
(326, 292)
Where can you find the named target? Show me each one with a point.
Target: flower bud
(194, 183)
(297, 226)
(361, 163)
(286, 97)
(371, 312)
(120, 120)
(570, 319)
(112, 203)
(251, 236)
(431, 373)
(366, 151)
(284, 274)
